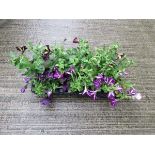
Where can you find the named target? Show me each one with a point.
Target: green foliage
(88, 63)
(39, 88)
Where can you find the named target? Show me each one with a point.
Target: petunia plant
(80, 69)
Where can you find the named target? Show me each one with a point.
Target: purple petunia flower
(75, 40)
(45, 101)
(26, 79)
(119, 89)
(92, 94)
(111, 95)
(56, 73)
(106, 79)
(109, 80)
(112, 99)
(22, 90)
(135, 95)
(132, 91)
(113, 102)
(98, 81)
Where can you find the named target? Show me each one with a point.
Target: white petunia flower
(137, 96)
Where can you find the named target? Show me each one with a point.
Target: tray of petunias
(81, 69)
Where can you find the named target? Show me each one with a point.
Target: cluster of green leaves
(29, 63)
(88, 63)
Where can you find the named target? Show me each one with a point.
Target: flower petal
(85, 91)
(98, 81)
(56, 73)
(45, 101)
(137, 96)
(119, 89)
(132, 91)
(50, 75)
(92, 94)
(49, 94)
(113, 102)
(26, 79)
(100, 76)
(109, 80)
(111, 95)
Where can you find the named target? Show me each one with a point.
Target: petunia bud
(49, 94)
(75, 40)
(22, 90)
(26, 79)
